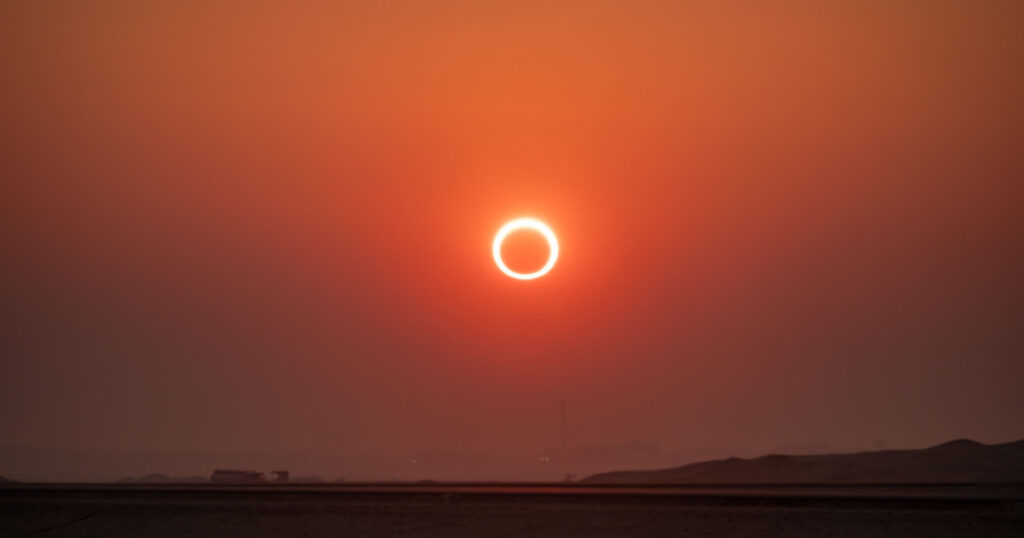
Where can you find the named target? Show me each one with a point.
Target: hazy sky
(246, 228)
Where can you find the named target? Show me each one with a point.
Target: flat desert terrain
(510, 510)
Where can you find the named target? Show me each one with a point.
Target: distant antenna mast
(563, 426)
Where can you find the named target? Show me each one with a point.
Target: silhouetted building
(237, 477)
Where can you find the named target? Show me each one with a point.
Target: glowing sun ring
(525, 224)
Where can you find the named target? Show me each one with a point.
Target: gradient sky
(265, 228)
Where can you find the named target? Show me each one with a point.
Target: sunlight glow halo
(525, 223)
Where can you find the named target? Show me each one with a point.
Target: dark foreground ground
(510, 510)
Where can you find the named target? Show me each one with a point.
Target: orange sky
(267, 227)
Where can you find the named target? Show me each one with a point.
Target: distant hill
(3, 480)
(962, 460)
(158, 478)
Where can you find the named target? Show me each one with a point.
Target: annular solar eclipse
(531, 224)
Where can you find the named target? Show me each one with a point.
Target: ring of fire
(525, 223)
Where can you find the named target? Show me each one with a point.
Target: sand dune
(962, 460)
